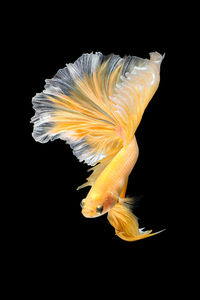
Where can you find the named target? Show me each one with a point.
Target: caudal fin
(96, 105)
(126, 224)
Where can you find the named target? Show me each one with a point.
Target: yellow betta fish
(96, 105)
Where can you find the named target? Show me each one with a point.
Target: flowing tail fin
(96, 105)
(126, 223)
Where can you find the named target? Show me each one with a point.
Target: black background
(54, 245)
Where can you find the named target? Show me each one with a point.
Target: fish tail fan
(95, 105)
(74, 106)
(135, 90)
(126, 223)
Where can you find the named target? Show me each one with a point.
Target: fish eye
(99, 209)
(82, 203)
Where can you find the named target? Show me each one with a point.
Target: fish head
(95, 205)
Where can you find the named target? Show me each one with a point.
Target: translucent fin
(95, 105)
(126, 224)
(74, 107)
(134, 92)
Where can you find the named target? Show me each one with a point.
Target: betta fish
(96, 105)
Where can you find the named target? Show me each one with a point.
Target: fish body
(96, 105)
(109, 185)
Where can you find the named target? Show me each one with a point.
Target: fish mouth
(88, 213)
